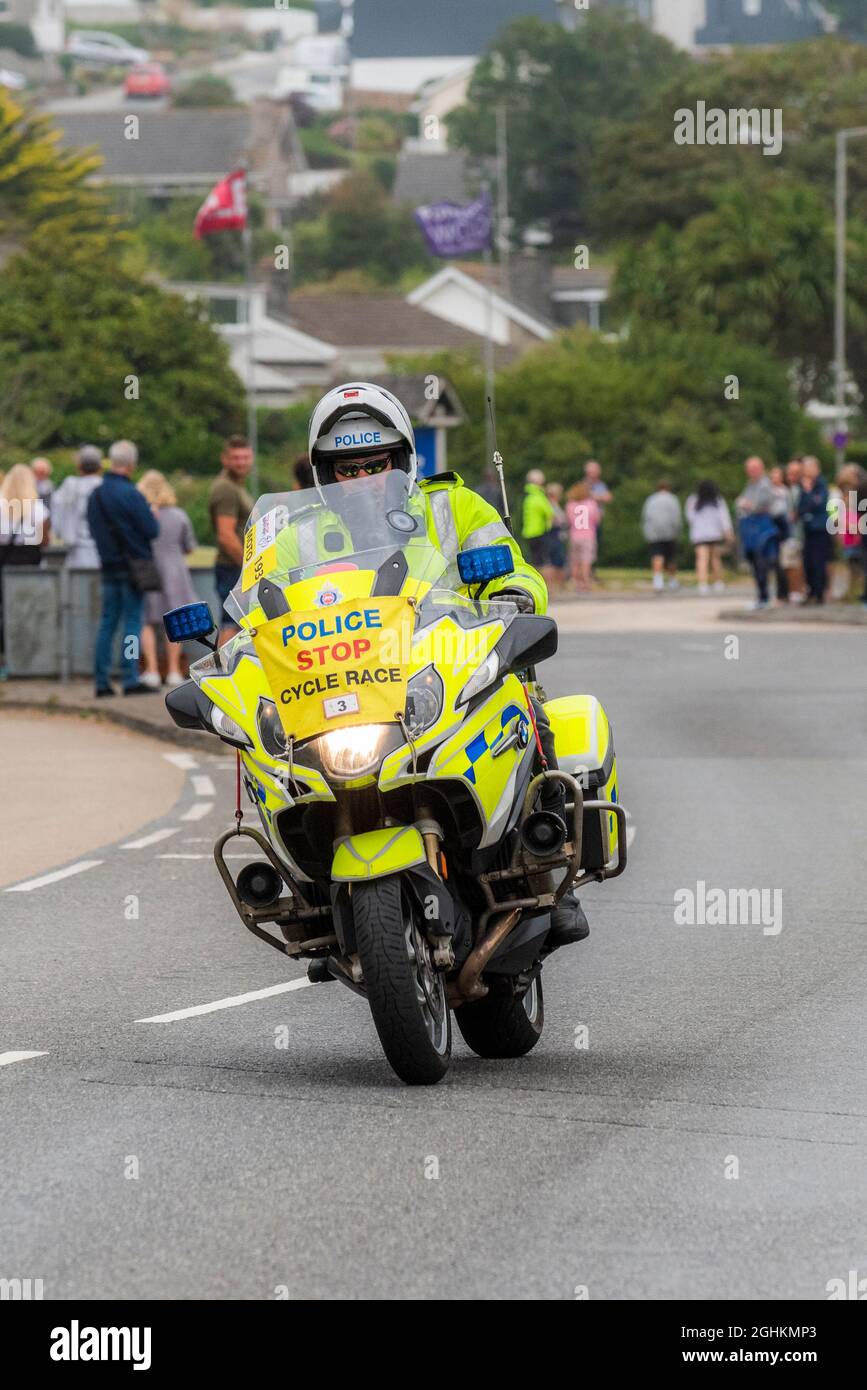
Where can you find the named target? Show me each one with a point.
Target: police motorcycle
(387, 741)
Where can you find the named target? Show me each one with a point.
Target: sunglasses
(369, 466)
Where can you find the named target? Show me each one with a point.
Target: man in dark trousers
(123, 526)
(813, 512)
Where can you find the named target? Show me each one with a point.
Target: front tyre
(501, 1025)
(407, 996)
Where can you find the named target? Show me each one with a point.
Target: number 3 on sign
(340, 704)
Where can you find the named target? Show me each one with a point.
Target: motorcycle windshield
(343, 596)
(339, 528)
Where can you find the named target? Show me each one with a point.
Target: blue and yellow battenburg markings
(479, 746)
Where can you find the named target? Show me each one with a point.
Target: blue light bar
(486, 563)
(188, 624)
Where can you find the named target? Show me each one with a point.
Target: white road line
(7, 1058)
(152, 839)
(231, 1003)
(200, 810)
(185, 761)
(55, 877)
(203, 786)
(630, 835)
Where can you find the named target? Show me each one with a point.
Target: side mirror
(192, 623)
(486, 563)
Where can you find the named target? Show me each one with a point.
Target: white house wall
(457, 305)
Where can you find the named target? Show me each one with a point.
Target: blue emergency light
(487, 563)
(191, 623)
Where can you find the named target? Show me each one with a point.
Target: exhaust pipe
(259, 885)
(544, 834)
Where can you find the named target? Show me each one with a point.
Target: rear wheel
(501, 1025)
(407, 996)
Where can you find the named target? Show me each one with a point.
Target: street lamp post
(843, 138)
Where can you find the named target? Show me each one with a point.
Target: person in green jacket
(361, 429)
(537, 517)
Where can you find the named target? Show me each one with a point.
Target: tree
(559, 90)
(88, 348)
(360, 228)
(207, 90)
(760, 267)
(641, 177)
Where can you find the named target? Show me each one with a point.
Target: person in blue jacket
(123, 526)
(813, 512)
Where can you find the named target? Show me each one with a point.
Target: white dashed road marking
(199, 811)
(231, 1003)
(152, 839)
(45, 879)
(185, 761)
(7, 1058)
(203, 786)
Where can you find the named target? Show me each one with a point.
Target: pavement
(71, 771)
(185, 1117)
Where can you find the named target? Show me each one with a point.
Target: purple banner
(451, 229)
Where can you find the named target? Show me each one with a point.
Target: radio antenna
(498, 464)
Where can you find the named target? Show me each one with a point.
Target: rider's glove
(524, 601)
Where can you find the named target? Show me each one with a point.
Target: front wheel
(407, 996)
(501, 1025)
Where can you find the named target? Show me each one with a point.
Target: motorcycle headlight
(228, 729)
(424, 701)
(271, 731)
(352, 752)
(481, 678)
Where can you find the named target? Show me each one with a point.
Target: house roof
(412, 392)
(417, 28)
(475, 275)
(173, 145)
(565, 279)
(385, 322)
(779, 21)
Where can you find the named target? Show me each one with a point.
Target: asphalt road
(199, 1158)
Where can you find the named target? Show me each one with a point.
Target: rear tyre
(407, 996)
(501, 1025)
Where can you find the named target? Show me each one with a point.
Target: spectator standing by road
(23, 528)
(175, 541)
(537, 518)
(229, 506)
(813, 511)
(661, 523)
(558, 537)
(600, 493)
(42, 470)
(759, 535)
(69, 510)
(584, 514)
(710, 527)
(792, 553)
(123, 526)
(784, 517)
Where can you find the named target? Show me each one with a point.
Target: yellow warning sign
(335, 667)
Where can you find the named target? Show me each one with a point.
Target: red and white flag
(225, 208)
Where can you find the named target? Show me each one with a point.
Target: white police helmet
(360, 418)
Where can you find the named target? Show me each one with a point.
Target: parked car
(92, 47)
(147, 80)
(11, 80)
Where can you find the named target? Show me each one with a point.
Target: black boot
(568, 923)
